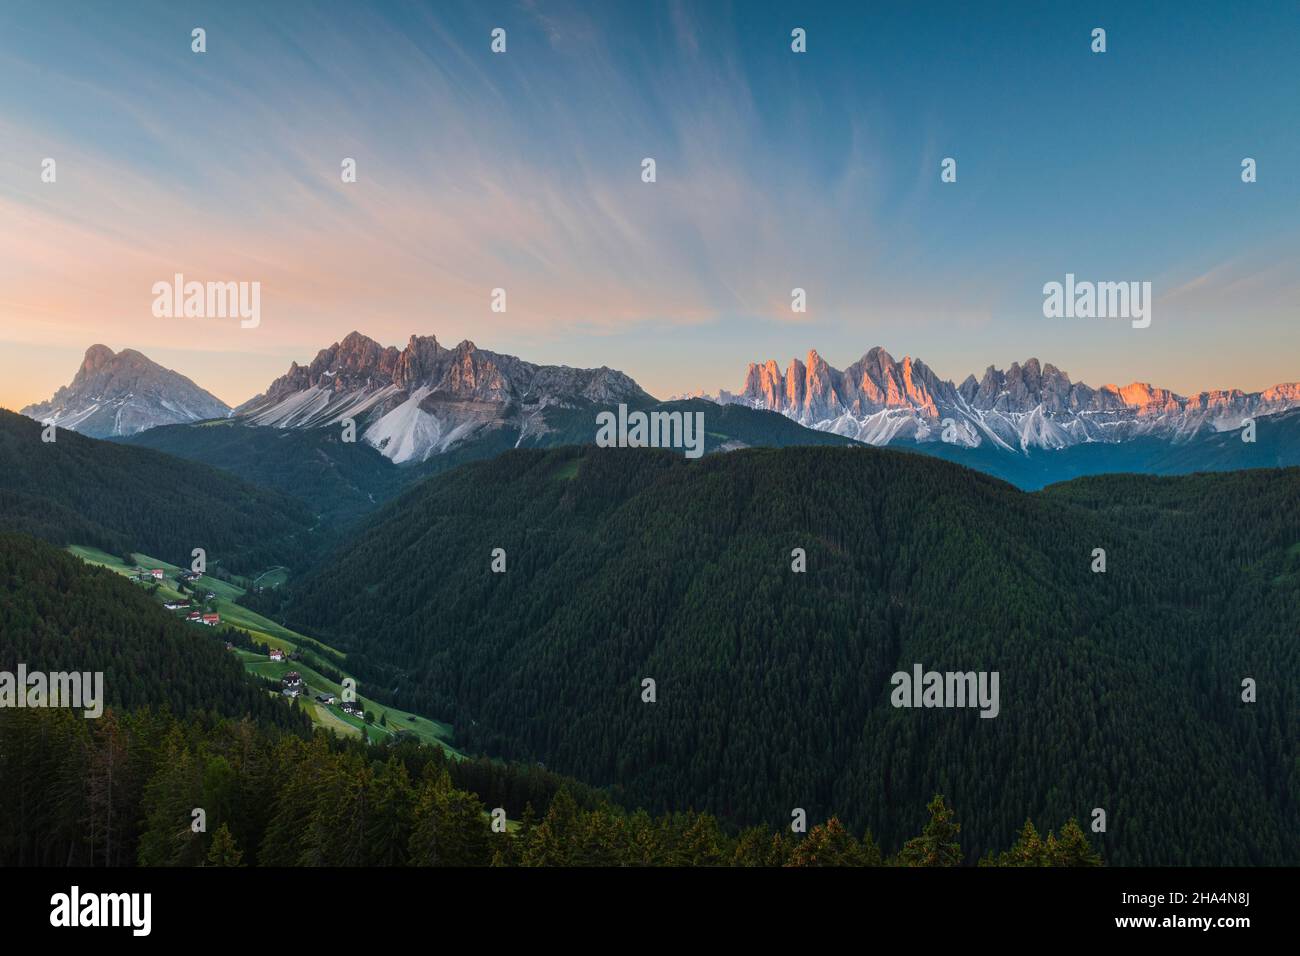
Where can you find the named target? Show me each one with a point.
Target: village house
(211, 620)
(326, 698)
(175, 605)
(292, 679)
(277, 654)
(194, 616)
(353, 707)
(291, 691)
(157, 573)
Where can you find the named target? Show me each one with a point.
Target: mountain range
(773, 684)
(429, 407)
(423, 399)
(124, 393)
(878, 400)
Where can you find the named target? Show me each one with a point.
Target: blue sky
(775, 170)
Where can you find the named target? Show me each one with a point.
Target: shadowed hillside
(773, 687)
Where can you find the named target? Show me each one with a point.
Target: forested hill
(342, 481)
(58, 614)
(1118, 690)
(84, 491)
(337, 480)
(123, 790)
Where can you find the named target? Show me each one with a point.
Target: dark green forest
(342, 481)
(58, 613)
(78, 490)
(1119, 690)
(339, 481)
(186, 728)
(123, 789)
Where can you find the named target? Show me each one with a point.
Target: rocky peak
(123, 393)
(420, 399)
(878, 399)
(97, 356)
(796, 381)
(418, 360)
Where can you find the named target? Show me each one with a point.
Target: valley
(649, 452)
(302, 654)
(633, 563)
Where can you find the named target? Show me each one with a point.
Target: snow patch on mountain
(114, 394)
(878, 400)
(425, 399)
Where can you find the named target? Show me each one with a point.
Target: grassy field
(272, 578)
(266, 631)
(428, 731)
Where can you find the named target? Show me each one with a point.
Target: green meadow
(274, 635)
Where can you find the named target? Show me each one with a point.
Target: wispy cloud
(522, 171)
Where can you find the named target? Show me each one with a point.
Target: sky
(522, 170)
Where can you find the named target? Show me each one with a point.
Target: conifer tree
(169, 800)
(223, 851)
(551, 842)
(1028, 850)
(391, 818)
(937, 845)
(1072, 847)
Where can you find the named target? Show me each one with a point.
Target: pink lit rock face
(424, 399)
(124, 393)
(879, 400)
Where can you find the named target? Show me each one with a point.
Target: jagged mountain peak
(423, 399)
(878, 399)
(96, 357)
(879, 357)
(121, 393)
